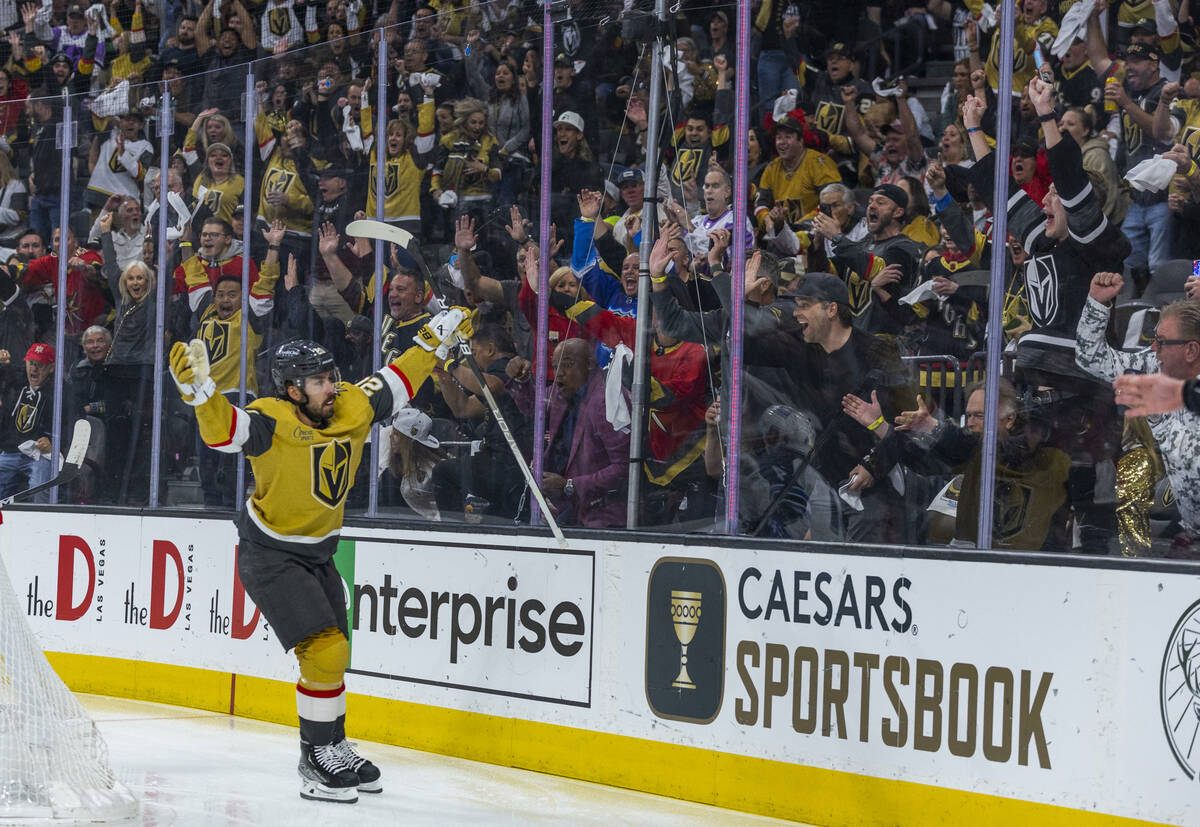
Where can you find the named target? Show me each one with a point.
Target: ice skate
(325, 774)
(368, 773)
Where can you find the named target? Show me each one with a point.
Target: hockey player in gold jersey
(305, 446)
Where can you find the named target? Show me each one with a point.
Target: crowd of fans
(868, 243)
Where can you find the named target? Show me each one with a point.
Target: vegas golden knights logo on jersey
(212, 201)
(23, 421)
(686, 165)
(859, 290)
(1012, 508)
(391, 179)
(1133, 135)
(278, 180)
(331, 471)
(215, 336)
(830, 116)
(280, 22)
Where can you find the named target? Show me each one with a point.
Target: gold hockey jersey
(223, 340)
(303, 474)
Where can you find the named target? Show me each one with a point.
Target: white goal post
(53, 761)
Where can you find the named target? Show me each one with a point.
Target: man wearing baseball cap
(879, 269)
(573, 169)
(25, 424)
(631, 184)
(1159, 32)
(797, 175)
(1145, 132)
(837, 358)
(822, 95)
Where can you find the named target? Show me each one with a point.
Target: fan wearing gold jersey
(304, 446)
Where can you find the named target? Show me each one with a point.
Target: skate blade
(375, 786)
(336, 795)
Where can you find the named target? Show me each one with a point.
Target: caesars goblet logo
(685, 658)
(685, 617)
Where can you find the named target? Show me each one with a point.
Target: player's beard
(316, 414)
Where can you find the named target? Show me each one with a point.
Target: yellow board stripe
(755, 785)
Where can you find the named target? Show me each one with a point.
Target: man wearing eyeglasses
(198, 274)
(1174, 352)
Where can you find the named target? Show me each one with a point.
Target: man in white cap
(574, 167)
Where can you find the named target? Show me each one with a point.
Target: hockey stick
(70, 469)
(369, 228)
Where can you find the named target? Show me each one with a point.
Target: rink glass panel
(486, 490)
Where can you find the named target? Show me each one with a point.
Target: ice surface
(191, 767)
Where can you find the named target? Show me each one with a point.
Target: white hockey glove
(189, 369)
(444, 331)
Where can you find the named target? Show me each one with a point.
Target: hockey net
(53, 762)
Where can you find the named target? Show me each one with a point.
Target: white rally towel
(113, 101)
(922, 292)
(1074, 25)
(616, 408)
(1152, 175)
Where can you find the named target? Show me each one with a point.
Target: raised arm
(329, 242)
(483, 287)
(1092, 351)
(858, 135)
(203, 43)
(1097, 48)
(912, 134)
(1165, 126)
(1041, 94)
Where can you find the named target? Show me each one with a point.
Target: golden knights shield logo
(215, 335)
(331, 471)
(860, 293)
(212, 201)
(1012, 508)
(24, 418)
(686, 165)
(278, 180)
(280, 21)
(1133, 134)
(391, 178)
(829, 117)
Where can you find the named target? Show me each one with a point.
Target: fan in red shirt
(86, 301)
(13, 92)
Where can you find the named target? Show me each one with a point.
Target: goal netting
(53, 762)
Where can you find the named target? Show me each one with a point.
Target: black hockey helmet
(300, 358)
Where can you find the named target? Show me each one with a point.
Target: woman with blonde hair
(467, 168)
(508, 115)
(218, 188)
(129, 374)
(562, 280)
(210, 127)
(406, 154)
